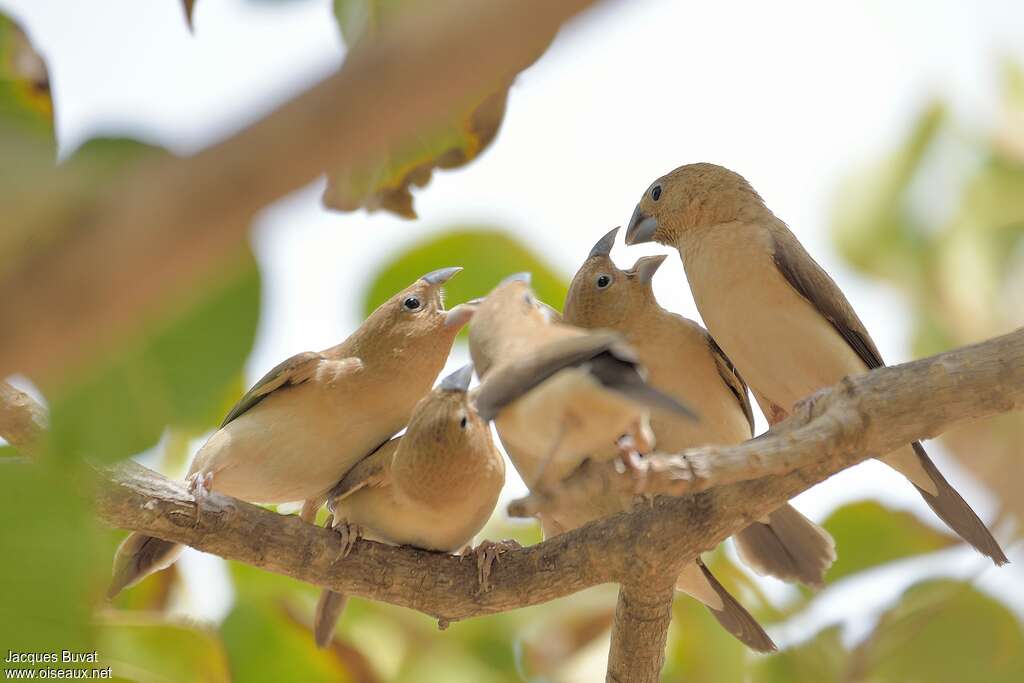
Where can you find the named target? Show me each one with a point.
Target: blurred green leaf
(487, 255)
(49, 568)
(821, 660)
(175, 371)
(26, 110)
(450, 142)
(700, 650)
(869, 534)
(144, 647)
(943, 631)
(263, 644)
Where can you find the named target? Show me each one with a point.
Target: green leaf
(451, 142)
(26, 109)
(821, 659)
(487, 255)
(868, 534)
(173, 372)
(50, 566)
(142, 646)
(700, 650)
(943, 631)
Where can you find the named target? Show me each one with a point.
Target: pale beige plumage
(557, 394)
(314, 416)
(775, 312)
(434, 487)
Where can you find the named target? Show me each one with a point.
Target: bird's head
(502, 318)
(691, 198)
(445, 422)
(417, 313)
(603, 296)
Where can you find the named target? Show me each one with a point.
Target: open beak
(641, 228)
(460, 315)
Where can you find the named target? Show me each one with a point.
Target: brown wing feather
(373, 470)
(295, 370)
(812, 283)
(731, 376)
(504, 385)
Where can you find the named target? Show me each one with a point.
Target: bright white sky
(793, 95)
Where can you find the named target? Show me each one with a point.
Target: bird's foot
(199, 485)
(486, 554)
(805, 405)
(633, 463)
(350, 533)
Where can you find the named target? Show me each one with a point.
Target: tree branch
(642, 616)
(642, 550)
(170, 223)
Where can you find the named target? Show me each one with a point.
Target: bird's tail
(956, 513)
(789, 547)
(699, 582)
(328, 609)
(137, 557)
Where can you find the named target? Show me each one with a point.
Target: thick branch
(904, 402)
(642, 616)
(876, 412)
(104, 267)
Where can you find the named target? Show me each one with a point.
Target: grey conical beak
(605, 244)
(516, 277)
(458, 380)
(641, 228)
(441, 276)
(646, 267)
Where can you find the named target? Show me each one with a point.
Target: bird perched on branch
(557, 394)
(314, 416)
(775, 312)
(434, 487)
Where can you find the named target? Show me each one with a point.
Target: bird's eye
(411, 304)
(656, 192)
(603, 281)
(463, 422)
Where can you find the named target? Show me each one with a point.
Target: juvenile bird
(434, 487)
(314, 416)
(557, 394)
(683, 361)
(775, 312)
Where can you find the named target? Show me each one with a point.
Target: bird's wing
(731, 376)
(373, 470)
(813, 284)
(298, 369)
(505, 384)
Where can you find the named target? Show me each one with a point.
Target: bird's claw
(199, 485)
(807, 403)
(349, 533)
(486, 554)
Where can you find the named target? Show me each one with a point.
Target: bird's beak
(458, 380)
(646, 267)
(641, 228)
(438, 277)
(516, 277)
(460, 315)
(604, 245)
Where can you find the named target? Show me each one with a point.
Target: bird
(776, 313)
(432, 488)
(557, 394)
(314, 416)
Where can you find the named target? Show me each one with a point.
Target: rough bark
(22, 420)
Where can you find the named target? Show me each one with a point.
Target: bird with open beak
(313, 417)
(776, 313)
(433, 488)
